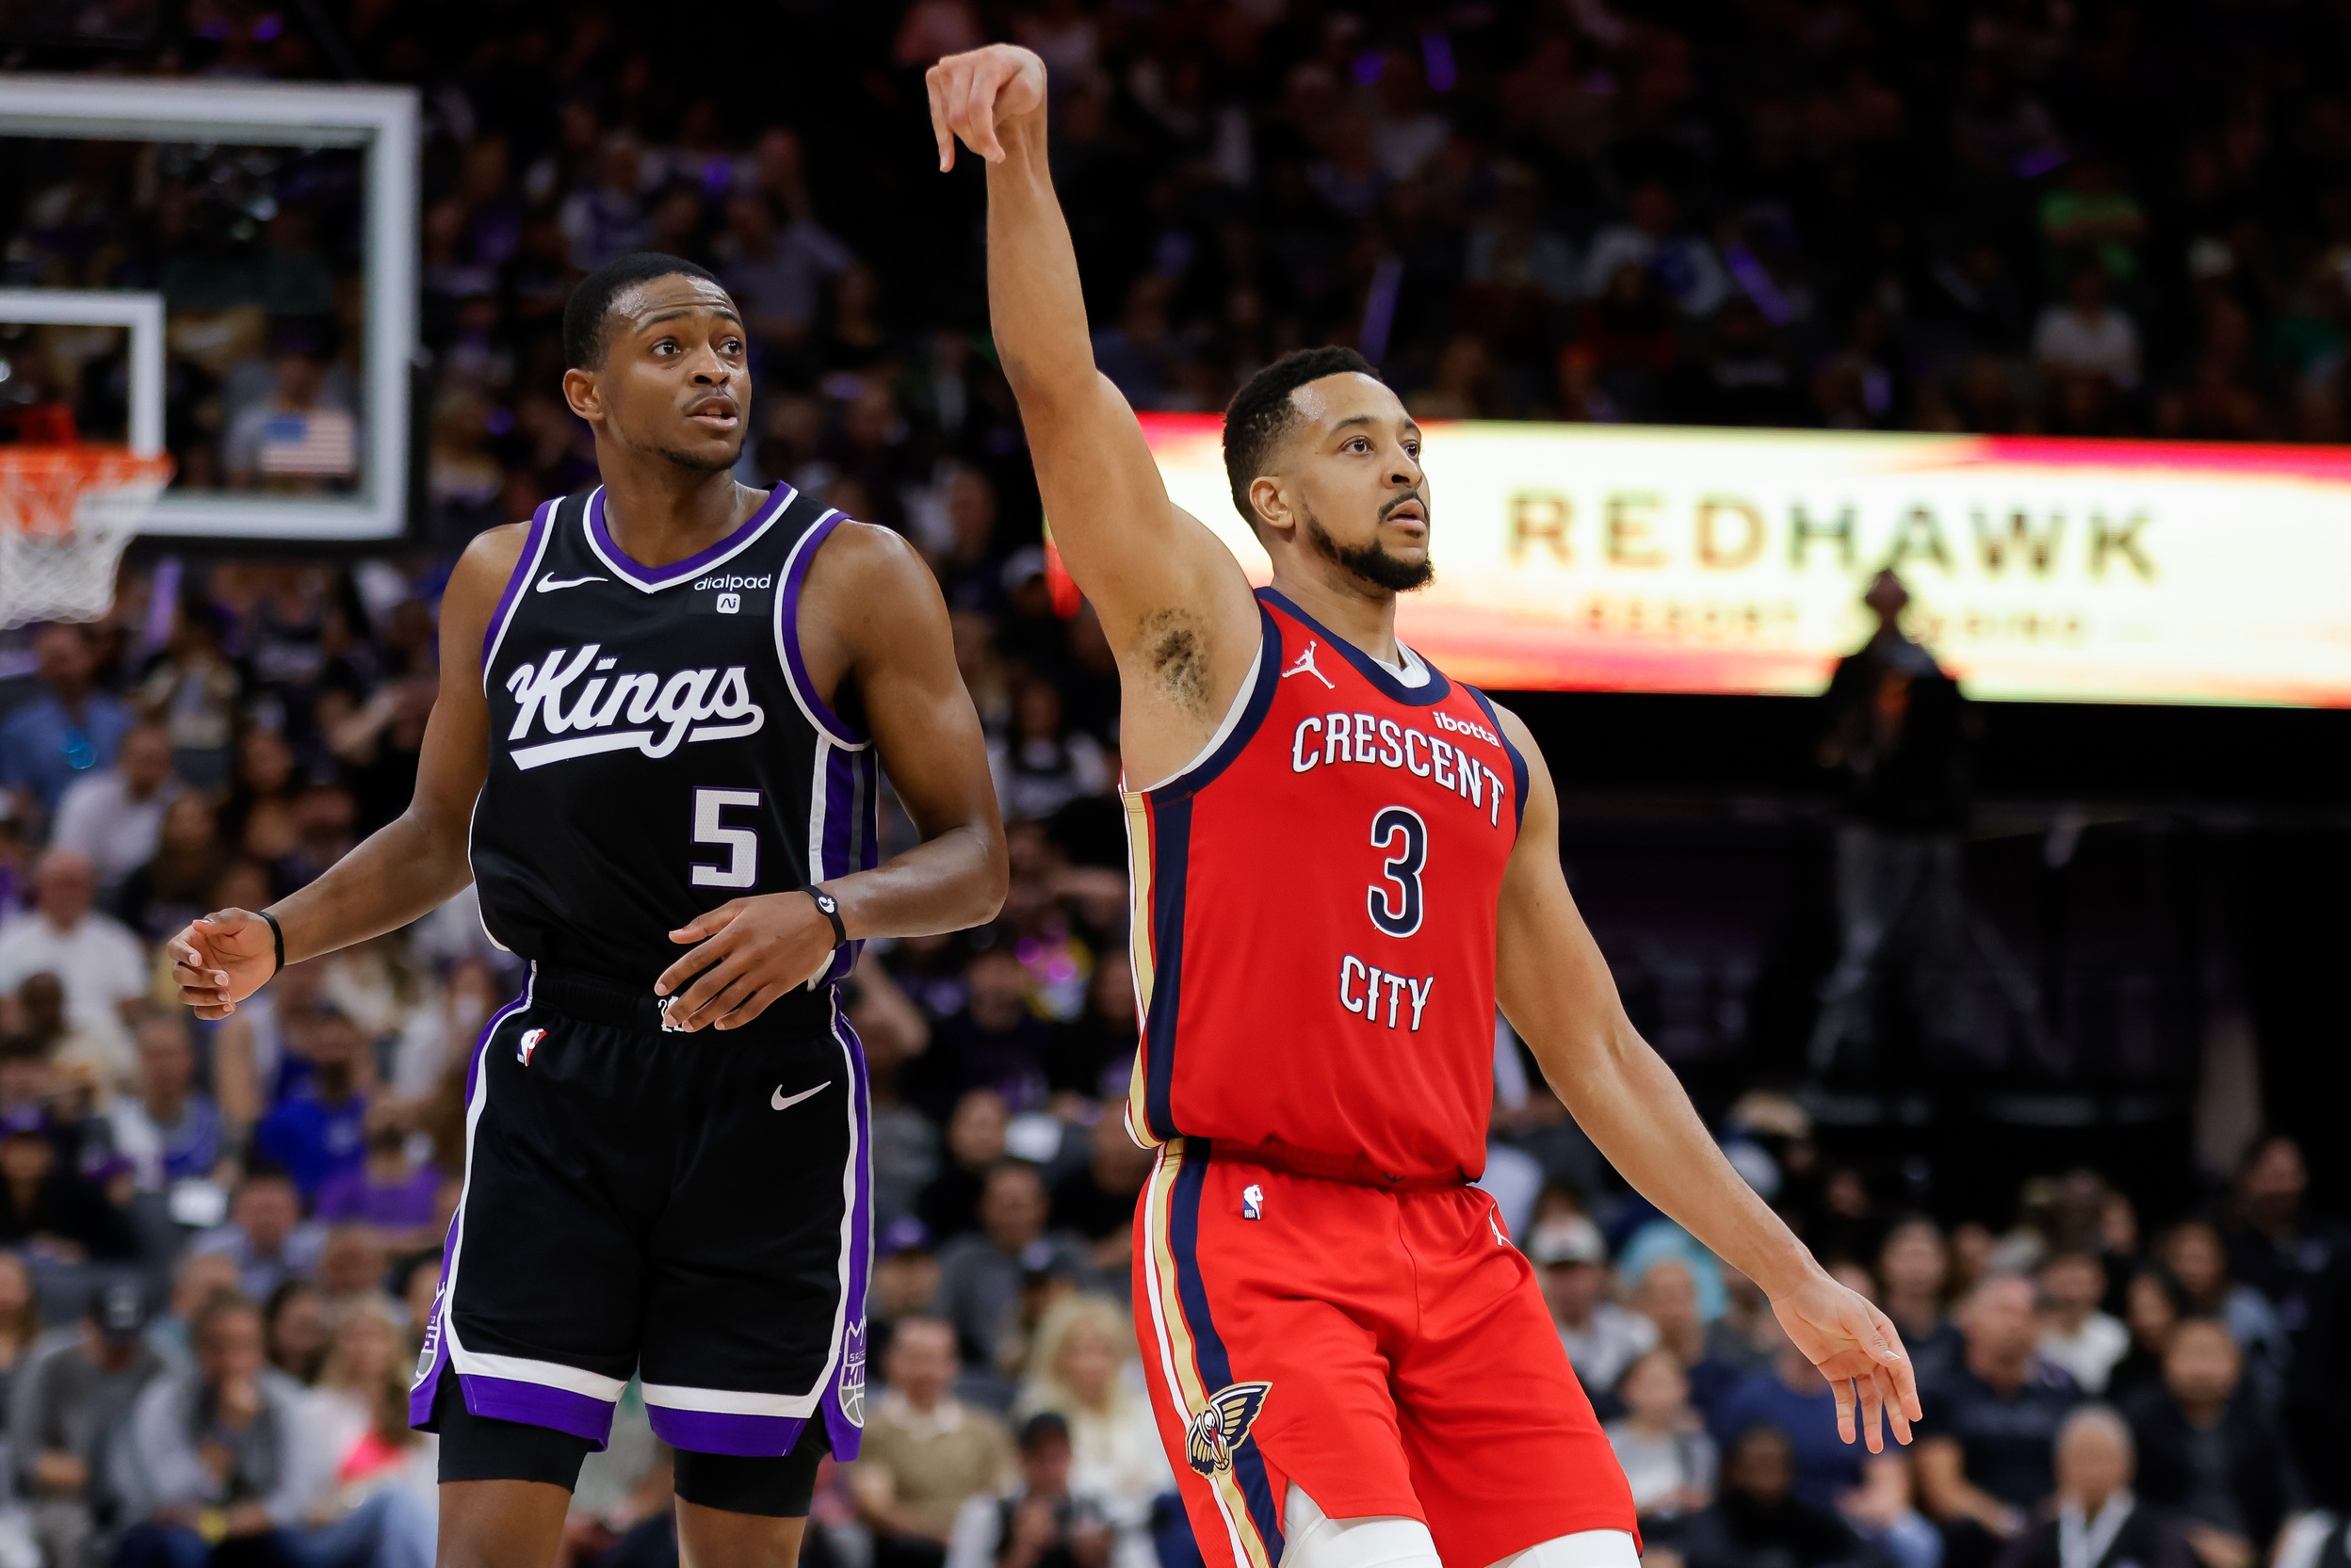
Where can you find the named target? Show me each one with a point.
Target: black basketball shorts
(691, 1208)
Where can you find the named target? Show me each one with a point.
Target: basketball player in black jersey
(668, 691)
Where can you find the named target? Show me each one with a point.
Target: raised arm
(1173, 600)
(412, 865)
(1557, 992)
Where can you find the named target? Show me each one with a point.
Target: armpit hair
(1176, 655)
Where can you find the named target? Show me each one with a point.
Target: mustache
(1390, 511)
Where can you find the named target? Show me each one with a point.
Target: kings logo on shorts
(1223, 1427)
(854, 1376)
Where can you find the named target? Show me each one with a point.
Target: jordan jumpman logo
(1304, 665)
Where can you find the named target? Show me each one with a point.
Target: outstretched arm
(410, 866)
(883, 630)
(1173, 600)
(1556, 990)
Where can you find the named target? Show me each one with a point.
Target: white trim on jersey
(1224, 730)
(628, 571)
(547, 1374)
(784, 655)
(721, 1401)
(518, 587)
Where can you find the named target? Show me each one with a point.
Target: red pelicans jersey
(1315, 907)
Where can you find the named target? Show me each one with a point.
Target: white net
(66, 515)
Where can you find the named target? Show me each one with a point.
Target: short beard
(694, 463)
(1370, 563)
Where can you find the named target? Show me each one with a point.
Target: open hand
(748, 953)
(1859, 1351)
(972, 93)
(219, 959)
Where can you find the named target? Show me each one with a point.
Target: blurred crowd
(220, 1242)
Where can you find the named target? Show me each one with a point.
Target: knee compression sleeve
(480, 1447)
(1583, 1549)
(1312, 1540)
(777, 1488)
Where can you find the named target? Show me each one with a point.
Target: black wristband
(830, 908)
(277, 934)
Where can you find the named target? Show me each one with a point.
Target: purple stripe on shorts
(507, 1399)
(848, 842)
(847, 1387)
(678, 570)
(523, 564)
(787, 626)
(436, 1354)
(707, 1432)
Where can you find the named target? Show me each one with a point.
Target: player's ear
(581, 391)
(1271, 504)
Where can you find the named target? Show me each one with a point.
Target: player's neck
(659, 513)
(1351, 608)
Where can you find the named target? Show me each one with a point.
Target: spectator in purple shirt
(387, 1190)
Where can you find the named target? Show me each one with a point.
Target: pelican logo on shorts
(1218, 1430)
(1252, 1201)
(528, 1044)
(853, 1377)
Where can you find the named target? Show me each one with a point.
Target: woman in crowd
(294, 1329)
(1077, 1369)
(1661, 1444)
(2194, 1256)
(177, 886)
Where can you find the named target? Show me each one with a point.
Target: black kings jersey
(655, 747)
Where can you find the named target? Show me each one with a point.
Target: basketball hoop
(66, 513)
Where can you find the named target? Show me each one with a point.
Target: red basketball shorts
(1386, 1350)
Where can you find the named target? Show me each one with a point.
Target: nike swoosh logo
(782, 1101)
(550, 583)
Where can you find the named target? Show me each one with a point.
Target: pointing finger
(932, 82)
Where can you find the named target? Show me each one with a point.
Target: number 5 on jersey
(1395, 901)
(741, 844)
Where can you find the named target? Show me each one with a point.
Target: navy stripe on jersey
(1171, 852)
(1518, 762)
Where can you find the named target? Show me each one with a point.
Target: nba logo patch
(1217, 1432)
(529, 1043)
(1252, 1201)
(853, 1377)
(730, 602)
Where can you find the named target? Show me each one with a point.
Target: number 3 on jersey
(1395, 901)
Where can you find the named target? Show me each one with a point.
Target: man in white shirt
(1601, 1338)
(2074, 1334)
(115, 816)
(95, 957)
(2087, 337)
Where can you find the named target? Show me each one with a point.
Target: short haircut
(590, 307)
(1261, 414)
(2098, 1418)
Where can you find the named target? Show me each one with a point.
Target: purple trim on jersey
(788, 629)
(850, 1367)
(852, 826)
(420, 1395)
(678, 570)
(515, 581)
(507, 1399)
(707, 1431)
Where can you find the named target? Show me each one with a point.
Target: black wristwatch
(830, 908)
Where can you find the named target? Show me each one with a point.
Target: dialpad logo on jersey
(663, 713)
(854, 1376)
(528, 1044)
(1218, 1430)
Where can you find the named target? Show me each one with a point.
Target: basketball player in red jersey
(1342, 860)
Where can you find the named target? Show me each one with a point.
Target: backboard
(256, 247)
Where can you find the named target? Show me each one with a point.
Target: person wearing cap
(71, 1396)
(1044, 1523)
(48, 1207)
(1601, 1337)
